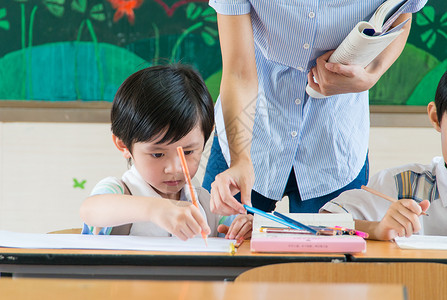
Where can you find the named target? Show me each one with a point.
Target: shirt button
(297, 101)
(300, 69)
(311, 14)
(306, 46)
(294, 133)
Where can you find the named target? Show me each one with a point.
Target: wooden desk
(135, 289)
(143, 264)
(383, 251)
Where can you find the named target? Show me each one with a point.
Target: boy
(156, 110)
(418, 188)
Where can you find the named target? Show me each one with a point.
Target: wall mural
(81, 50)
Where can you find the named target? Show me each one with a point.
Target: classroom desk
(137, 289)
(64, 263)
(382, 251)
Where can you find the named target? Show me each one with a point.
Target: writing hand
(181, 219)
(401, 219)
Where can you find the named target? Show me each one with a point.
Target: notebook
(285, 242)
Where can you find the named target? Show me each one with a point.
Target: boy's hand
(241, 227)
(401, 219)
(181, 219)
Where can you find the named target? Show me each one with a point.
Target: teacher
(276, 139)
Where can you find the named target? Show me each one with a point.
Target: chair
(68, 231)
(422, 280)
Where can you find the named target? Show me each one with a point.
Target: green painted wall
(81, 50)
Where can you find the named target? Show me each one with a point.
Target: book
(262, 241)
(368, 39)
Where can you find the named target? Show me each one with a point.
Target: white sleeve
(362, 204)
(212, 219)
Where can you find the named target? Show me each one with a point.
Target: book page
(386, 14)
(360, 49)
(393, 18)
(428, 242)
(111, 242)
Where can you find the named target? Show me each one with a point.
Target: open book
(262, 241)
(368, 39)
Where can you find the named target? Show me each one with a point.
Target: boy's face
(439, 125)
(159, 164)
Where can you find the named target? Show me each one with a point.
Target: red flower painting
(125, 7)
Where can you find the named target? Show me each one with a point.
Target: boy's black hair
(169, 100)
(441, 97)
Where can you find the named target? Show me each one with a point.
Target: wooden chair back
(68, 231)
(422, 280)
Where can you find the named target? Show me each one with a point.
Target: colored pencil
(276, 219)
(320, 231)
(354, 232)
(295, 222)
(189, 183)
(386, 197)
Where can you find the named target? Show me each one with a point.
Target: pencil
(189, 183)
(386, 197)
(311, 230)
(277, 219)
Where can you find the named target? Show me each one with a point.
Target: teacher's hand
(334, 78)
(239, 177)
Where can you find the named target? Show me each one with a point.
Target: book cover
(279, 242)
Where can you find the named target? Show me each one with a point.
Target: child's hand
(181, 219)
(401, 219)
(240, 227)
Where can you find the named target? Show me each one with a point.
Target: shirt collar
(441, 179)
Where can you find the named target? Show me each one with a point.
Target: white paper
(428, 242)
(111, 242)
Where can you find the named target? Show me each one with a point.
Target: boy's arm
(177, 217)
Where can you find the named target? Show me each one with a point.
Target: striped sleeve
(109, 185)
(413, 6)
(231, 7)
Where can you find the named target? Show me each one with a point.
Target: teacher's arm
(238, 92)
(335, 78)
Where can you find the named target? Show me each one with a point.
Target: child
(417, 187)
(154, 111)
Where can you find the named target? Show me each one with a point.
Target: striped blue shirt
(325, 140)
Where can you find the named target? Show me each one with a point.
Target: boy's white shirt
(138, 187)
(366, 206)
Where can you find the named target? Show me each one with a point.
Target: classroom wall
(39, 163)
